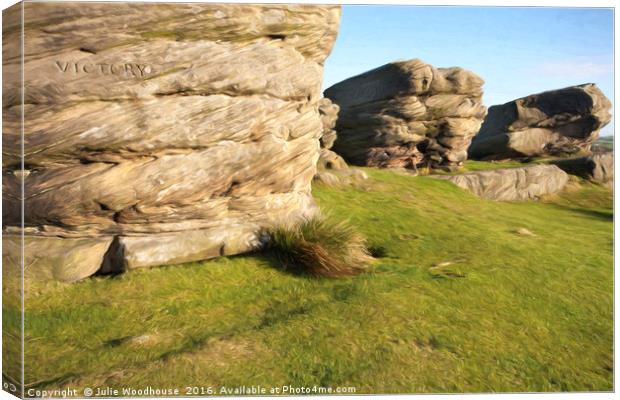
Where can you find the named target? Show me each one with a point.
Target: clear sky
(517, 51)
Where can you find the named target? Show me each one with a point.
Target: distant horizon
(518, 51)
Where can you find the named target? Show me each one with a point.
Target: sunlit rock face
(408, 114)
(511, 184)
(564, 121)
(159, 133)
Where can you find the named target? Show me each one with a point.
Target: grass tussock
(320, 247)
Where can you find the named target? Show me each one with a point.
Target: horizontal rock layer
(407, 114)
(175, 134)
(555, 122)
(512, 183)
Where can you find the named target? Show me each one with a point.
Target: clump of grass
(320, 247)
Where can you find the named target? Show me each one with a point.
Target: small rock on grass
(443, 264)
(441, 270)
(525, 232)
(139, 340)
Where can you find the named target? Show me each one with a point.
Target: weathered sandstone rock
(161, 133)
(407, 114)
(57, 258)
(329, 116)
(332, 170)
(556, 122)
(596, 168)
(512, 183)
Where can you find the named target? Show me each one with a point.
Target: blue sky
(517, 51)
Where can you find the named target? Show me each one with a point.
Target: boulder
(175, 134)
(563, 121)
(54, 258)
(407, 114)
(512, 183)
(596, 168)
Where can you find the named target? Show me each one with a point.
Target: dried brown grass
(320, 247)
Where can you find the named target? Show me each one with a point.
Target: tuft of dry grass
(320, 247)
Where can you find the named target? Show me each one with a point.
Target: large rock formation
(556, 122)
(596, 168)
(512, 183)
(159, 133)
(329, 115)
(332, 169)
(408, 114)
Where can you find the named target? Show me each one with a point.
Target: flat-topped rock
(175, 134)
(512, 183)
(407, 114)
(563, 121)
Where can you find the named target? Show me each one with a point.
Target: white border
(487, 3)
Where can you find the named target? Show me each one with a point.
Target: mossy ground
(458, 302)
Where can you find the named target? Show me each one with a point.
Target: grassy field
(460, 301)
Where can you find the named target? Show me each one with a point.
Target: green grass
(458, 302)
(474, 165)
(604, 143)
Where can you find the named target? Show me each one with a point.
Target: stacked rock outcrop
(563, 121)
(408, 114)
(158, 133)
(332, 169)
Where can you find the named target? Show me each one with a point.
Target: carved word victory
(124, 69)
